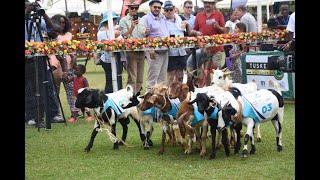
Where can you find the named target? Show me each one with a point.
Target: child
(233, 61)
(81, 82)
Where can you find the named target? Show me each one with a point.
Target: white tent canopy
(226, 3)
(100, 8)
(54, 6)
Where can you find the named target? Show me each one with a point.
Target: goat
(210, 107)
(220, 78)
(146, 116)
(168, 108)
(260, 106)
(109, 111)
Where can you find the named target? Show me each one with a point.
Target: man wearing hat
(130, 28)
(207, 23)
(156, 26)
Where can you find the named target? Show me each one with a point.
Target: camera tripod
(40, 64)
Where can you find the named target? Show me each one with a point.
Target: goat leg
(237, 128)
(124, 130)
(225, 142)
(162, 142)
(93, 135)
(113, 131)
(203, 139)
(213, 131)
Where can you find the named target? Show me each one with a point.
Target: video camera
(36, 11)
(284, 63)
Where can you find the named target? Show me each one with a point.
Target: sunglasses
(134, 8)
(188, 7)
(156, 7)
(166, 10)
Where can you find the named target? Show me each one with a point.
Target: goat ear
(193, 101)
(185, 88)
(102, 95)
(152, 99)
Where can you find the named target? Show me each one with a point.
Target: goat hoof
(120, 143)
(212, 156)
(252, 151)
(227, 153)
(87, 150)
(279, 148)
(161, 150)
(115, 146)
(146, 148)
(150, 143)
(258, 139)
(244, 153)
(203, 154)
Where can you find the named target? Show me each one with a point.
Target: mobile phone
(135, 17)
(172, 35)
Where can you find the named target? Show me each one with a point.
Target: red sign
(125, 5)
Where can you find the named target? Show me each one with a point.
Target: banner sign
(254, 68)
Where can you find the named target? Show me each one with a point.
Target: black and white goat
(220, 78)
(260, 106)
(109, 110)
(209, 107)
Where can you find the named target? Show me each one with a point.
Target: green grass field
(59, 153)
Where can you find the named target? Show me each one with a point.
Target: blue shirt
(191, 21)
(110, 103)
(248, 111)
(151, 112)
(198, 117)
(175, 104)
(156, 25)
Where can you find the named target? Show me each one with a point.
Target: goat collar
(165, 103)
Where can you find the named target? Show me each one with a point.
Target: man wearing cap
(156, 26)
(207, 23)
(177, 57)
(130, 28)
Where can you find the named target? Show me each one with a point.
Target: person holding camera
(130, 28)
(157, 60)
(177, 57)
(37, 26)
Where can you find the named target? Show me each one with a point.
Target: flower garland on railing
(88, 47)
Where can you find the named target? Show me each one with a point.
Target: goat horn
(223, 70)
(228, 73)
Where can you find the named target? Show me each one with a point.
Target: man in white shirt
(291, 34)
(291, 24)
(247, 19)
(231, 24)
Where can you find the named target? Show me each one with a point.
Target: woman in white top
(104, 34)
(231, 24)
